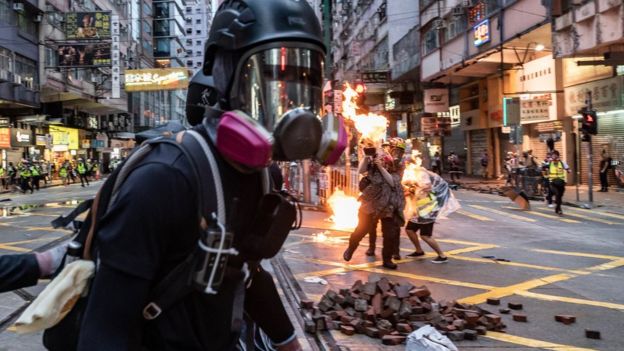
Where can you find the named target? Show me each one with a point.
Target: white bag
(427, 338)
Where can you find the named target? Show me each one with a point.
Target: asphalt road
(570, 265)
(557, 265)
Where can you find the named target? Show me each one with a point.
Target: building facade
(198, 18)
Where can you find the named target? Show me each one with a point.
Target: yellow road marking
(13, 248)
(470, 249)
(599, 220)
(516, 264)
(503, 213)
(601, 213)
(566, 220)
(606, 266)
(545, 297)
(461, 242)
(475, 216)
(429, 279)
(513, 339)
(512, 289)
(580, 254)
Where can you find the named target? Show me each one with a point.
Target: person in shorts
(425, 229)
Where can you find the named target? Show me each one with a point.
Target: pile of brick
(391, 311)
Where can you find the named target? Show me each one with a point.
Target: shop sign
(481, 33)
(97, 144)
(455, 115)
(5, 138)
(65, 136)
(337, 101)
(435, 126)
(41, 140)
(511, 111)
(535, 108)
(549, 126)
(86, 143)
(606, 95)
(21, 137)
(156, 79)
(5, 122)
(536, 75)
(436, 100)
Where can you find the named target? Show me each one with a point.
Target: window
(147, 9)
(198, 10)
(456, 25)
(189, 63)
(6, 13)
(51, 57)
(6, 59)
(198, 21)
(198, 42)
(431, 40)
(189, 53)
(188, 10)
(189, 41)
(198, 32)
(198, 53)
(26, 24)
(189, 21)
(189, 31)
(27, 69)
(198, 64)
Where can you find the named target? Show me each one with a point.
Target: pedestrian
(548, 196)
(605, 165)
(71, 171)
(381, 198)
(83, 172)
(45, 171)
(25, 176)
(436, 163)
(453, 161)
(557, 170)
(12, 173)
(4, 178)
(151, 225)
(485, 160)
(64, 173)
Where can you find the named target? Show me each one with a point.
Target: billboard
(88, 25)
(156, 79)
(83, 55)
(67, 137)
(481, 33)
(21, 137)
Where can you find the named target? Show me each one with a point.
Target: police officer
(83, 170)
(557, 171)
(64, 173)
(25, 175)
(35, 172)
(254, 45)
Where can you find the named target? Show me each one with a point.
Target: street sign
(375, 77)
(511, 111)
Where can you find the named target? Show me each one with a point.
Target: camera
(370, 151)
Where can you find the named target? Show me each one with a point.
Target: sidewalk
(612, 201)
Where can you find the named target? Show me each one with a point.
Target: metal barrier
(530, 181)
(336, 178)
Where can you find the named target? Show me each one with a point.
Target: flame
(345, 210)
(371, 126)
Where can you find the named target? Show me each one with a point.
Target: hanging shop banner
(41, 140)
(535, 107)
(481, 33)
(84, 55)
(436, 100)
(62, 136)
(156, 79)
(116, 62)
(21, 137)
(5, 138)
(88, 25)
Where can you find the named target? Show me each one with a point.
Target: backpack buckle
(151, 311)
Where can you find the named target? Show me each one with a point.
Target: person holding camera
(382, 197)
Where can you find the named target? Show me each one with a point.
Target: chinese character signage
(436, 100)
(156, 79)
(21, 137)
(88, 25)
(511, 111)
(62, 136)
(82, 55)
(481, 32)
(116, 64)
(375, 77)
(606, 95)
(5, 138)
(535, 108)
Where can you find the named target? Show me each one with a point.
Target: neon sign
(481, 32)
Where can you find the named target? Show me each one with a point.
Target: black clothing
(557, 187)
(549, 192)
(83, 179)
(35, 182)
(391, 230)
(365, 226)
(25, 185)
(18, 271)
(151, 227)
(426, 229)
(604, 183)
(372, 234)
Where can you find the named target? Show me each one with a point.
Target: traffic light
(589, 121)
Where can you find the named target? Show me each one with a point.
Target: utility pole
(590, 156)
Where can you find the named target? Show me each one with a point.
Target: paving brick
(386, 313)
(369, 289)
(519, 317)
(339, 300)
(592, 334)
(456, 335)
(309, 326)
(393, 340)
(418, 317)
(376, 303)
(405, 310)
(426, 306)
(355, 322)
(460, 324)
(565, 319)
(493, 318)
(470, 334)
(361, 305)
(350, 311)
(504, 310)
(421, 292)
(370, 314)
(348, 300)
(393, 303)
(404, 328)
(357, 286)
(471, 318)
(330, 294)
(347, 330)
(325, 304)
(372, 332)
(417, 309)
(306, 304)
(481, 330)
(383, 284)
(346, 319)
(514, 306)
(402, 291)
(493, 301)
(384, 324)
(344, 292)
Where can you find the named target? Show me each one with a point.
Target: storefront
(65, 144)
(607, 101)
(5, 145)
(22, 145)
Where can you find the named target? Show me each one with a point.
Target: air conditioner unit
(17, 79)
(4, 75)
(18, 6)
(458, 11)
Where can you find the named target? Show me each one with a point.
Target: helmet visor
(275, 80)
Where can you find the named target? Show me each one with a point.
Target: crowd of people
(392, 197)
(28, 174)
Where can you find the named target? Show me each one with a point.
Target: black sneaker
(347, 255)
(370, 252)
(390, 265)
(416, 254)
(440, 260)
(396, 257)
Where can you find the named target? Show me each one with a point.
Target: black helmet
(201, 93)
(240, 25)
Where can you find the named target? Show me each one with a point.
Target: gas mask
(276, 96)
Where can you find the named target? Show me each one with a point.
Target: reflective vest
(81, 168)
(63, 172)
(1, 172)
(556, 171)
(25, 173)
(34, 171)
(426, 205)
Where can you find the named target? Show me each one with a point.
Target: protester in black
(605, 165)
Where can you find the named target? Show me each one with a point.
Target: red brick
(369, 289)
(393, 303)
(493, 318)
(372, 332)
(383, 284)
(393, 340)
(481, 330)
(592, 334)
(306, 304)
(376, 303)
(386, 313)
(471, 318)
(357, 286)
(421, 292)
(504, 310)
(402, 291)
(493, 301)
(455, 335)
(346, 319)
(459, 324)
(519, 317)
(565, 319)
(514, 306)
(347, 330)
(470, 334)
